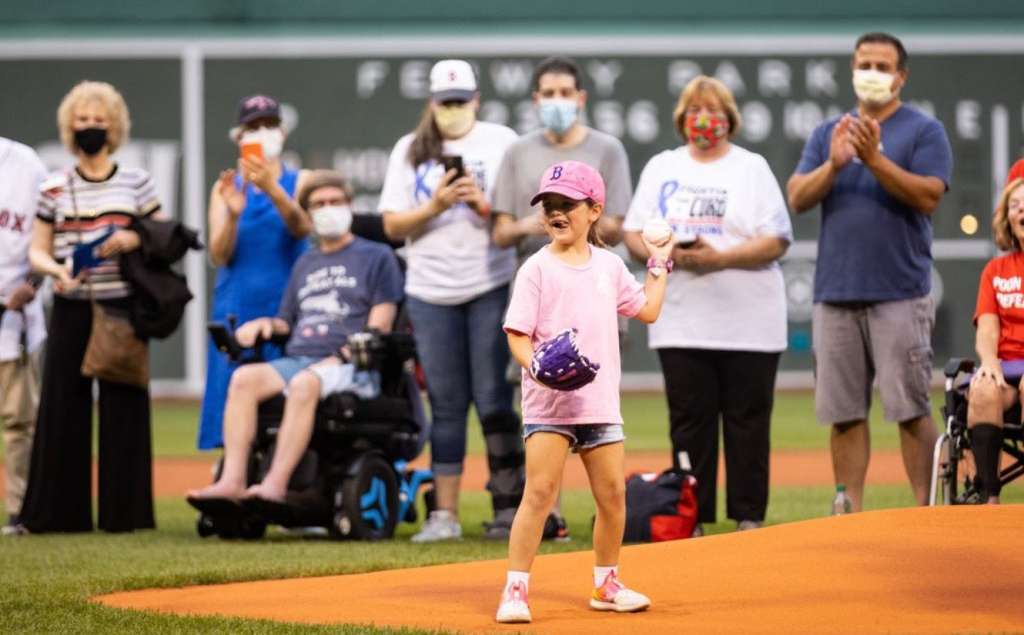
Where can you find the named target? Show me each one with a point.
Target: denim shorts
(582, 436)
(333, 378)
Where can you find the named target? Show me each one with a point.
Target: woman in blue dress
(257, 231)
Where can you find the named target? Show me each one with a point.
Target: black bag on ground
(660, 506)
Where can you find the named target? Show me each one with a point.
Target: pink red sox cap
(572, 179)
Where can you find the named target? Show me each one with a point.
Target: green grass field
(48, 579)
(646, 416)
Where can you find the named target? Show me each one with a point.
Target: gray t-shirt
(525, 161)
(329, 295)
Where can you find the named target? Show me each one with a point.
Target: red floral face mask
(705, 131)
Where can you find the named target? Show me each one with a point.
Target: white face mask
(873, 87)
(332, 221)
(272, 140)
(558, 115)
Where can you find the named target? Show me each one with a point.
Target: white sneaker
(440, 525)
(613, 596)
(514, 608)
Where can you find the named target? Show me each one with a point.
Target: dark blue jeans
(464, 354)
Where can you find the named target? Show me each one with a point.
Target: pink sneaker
(513, 608)
(612, 596)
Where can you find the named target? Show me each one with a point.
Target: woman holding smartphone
(257, 231)
(457, 287)
(723, 326)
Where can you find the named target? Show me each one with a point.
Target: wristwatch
(658, 267)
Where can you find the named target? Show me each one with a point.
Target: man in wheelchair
(343, 286)
(997, 384)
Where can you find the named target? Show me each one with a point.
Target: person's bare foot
(266, 492)
(217, 490)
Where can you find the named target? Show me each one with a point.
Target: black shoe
(556, 529)
(501, 527)
(497, 530)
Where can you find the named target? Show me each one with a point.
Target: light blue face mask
(558, 115)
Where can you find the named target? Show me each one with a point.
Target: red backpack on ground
(660, 506)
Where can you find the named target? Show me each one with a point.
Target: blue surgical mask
(558, 115)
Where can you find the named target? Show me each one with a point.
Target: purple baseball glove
(558, 363)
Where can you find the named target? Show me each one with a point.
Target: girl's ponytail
(594, 236)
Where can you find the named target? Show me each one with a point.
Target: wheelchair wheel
(204, 526)
(246, 527)
(251, 528)
(957, 475)
(366, 501)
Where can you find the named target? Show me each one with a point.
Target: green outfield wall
(350, 95)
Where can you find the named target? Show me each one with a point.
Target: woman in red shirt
(999, 318)
(1016, 172)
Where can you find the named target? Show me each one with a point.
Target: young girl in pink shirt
(571, 284)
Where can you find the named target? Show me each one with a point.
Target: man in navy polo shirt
(879, 172)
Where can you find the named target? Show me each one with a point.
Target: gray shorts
(854, 343)
(582, 436)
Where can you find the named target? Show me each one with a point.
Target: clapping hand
(841, 150)
(233, 198)
(866, 137)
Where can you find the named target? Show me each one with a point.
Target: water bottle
(841, 503)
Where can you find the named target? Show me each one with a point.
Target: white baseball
(657, 231)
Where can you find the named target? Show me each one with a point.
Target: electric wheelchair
(353, 478)
(953, 473)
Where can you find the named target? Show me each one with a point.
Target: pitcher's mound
(925, 570)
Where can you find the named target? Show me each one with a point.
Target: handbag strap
(78, 230)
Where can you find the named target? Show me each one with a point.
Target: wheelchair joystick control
(365, 347)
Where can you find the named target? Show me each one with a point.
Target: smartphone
(454, 163)
(686, 240)
(252, 149)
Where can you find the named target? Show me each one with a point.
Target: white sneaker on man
(514, 608)
(440, 525)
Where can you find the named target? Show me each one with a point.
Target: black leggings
(738, 386)
(59, 496)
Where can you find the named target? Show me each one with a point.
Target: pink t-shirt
(550, 296)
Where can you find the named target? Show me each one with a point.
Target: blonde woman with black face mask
(96, 198)
(436, 197)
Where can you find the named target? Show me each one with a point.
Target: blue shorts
(582, 436)
(333, 378)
